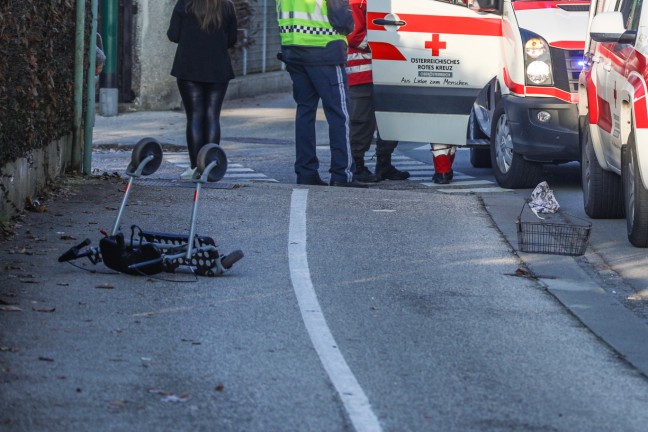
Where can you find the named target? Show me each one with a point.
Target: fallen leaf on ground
(43, 309)
(9, 349)
(10, 308)
(47, 359)
(105, 286)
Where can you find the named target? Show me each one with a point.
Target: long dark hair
(209, 13)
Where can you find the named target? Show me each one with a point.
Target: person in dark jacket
(314, 48)
(204, 31)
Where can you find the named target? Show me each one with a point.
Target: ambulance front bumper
(552, 141)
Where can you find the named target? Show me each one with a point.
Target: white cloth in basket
(543, 200)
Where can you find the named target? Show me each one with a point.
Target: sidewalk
(265, 119)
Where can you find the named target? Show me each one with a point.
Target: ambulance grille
(567, 65)
(574, 8)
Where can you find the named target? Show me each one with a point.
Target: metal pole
(264, 46)
(92, 85)
(108, 93)
(78, 84)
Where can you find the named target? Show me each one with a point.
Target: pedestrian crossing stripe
(457, 190)
(234, 171)
(420, 172)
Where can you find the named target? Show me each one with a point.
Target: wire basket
(552, 238)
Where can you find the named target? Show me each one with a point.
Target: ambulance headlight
(539, 72)
(535, 47)
(537, 59)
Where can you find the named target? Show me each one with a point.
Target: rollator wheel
(229, 260)
(144, 148)
(212, 153)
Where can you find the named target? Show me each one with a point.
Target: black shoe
(353, 184)
(315, 181)
(442, 178)
(363, 175)
(391, 173)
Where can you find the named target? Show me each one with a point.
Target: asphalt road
(403, 307)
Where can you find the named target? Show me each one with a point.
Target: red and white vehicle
(500, 76)
(614, 110)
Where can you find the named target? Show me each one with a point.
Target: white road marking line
(473, 182)
(427, 178)
(353, 397)
(475, 190)
(239, 170)
(246, 175)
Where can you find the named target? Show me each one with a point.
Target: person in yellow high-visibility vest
(314, 48)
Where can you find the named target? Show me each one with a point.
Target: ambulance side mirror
(485, 5)
(608, 27)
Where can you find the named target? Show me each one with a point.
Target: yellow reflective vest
(305, 23)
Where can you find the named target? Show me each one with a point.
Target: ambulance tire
(510, 169)
(480, 157)
(602, 190)
(635, 196)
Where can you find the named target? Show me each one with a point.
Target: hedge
(37, 42)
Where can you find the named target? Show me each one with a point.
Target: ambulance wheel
(635, 195)
(510, 169)
(602, 190)
(144, 148)
(212, 153)
(480, 157)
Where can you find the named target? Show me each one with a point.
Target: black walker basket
(547, 237)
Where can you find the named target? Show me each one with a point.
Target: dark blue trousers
(328, 83)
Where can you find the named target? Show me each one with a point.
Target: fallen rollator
(150, 252)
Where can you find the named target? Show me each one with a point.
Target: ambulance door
(620, 61)
(430, 60)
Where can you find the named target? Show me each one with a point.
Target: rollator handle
(73, 252)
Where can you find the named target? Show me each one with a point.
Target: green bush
(37, 43)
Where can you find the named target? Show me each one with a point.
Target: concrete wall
(24, 177)
(153, 57)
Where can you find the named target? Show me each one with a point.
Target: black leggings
(202, 103)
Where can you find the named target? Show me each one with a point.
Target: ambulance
(499, 76)
(614, 114)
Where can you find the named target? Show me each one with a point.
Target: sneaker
(442, 178)
(363, 175)
(188, 174)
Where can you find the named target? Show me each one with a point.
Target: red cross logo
(435, 45)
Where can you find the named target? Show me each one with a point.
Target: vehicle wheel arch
(481, 119)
